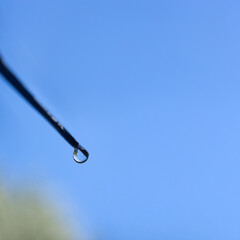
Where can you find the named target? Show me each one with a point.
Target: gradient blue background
(151, 89)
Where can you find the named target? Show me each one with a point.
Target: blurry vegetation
(24, 216)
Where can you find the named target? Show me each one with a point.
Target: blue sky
(151, 89)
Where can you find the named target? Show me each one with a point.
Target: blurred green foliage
(24, 216)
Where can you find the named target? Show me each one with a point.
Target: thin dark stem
(12, 79)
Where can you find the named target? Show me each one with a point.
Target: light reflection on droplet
(80, 155)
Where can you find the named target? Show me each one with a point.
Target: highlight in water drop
(80, 154)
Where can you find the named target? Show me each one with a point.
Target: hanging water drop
(80, 155)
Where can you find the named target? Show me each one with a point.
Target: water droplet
(80, 154)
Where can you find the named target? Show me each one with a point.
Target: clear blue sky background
(151, 89)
